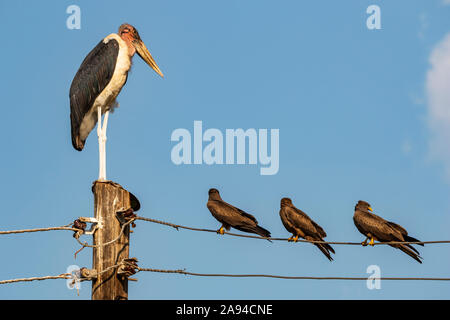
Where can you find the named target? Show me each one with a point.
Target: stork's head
(130, 35)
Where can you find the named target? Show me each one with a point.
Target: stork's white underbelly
(107, 98)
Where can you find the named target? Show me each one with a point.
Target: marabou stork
(98, 81)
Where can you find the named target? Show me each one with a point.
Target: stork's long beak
(146, 56)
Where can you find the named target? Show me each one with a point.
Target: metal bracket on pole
(124, 215)
(95, 224)
(88, 273)
(127, 268)
(81, 224)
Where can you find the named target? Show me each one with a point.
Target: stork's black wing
(92, 77)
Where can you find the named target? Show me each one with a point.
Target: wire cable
(66, 227)
(61, 276)
(227, 275)
(179, 271)
(177, 226)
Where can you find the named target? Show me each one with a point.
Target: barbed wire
(177, 226)
(179, 271)
(221, 275)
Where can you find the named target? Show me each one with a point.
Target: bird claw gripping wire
(128, 267)
(125, 215)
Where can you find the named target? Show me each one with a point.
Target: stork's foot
(221, 231)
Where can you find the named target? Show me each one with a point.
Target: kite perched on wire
(376, 228)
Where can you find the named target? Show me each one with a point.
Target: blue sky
(362, 114)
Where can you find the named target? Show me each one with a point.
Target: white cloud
(438, 101)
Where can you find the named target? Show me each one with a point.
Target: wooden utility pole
(109, 199)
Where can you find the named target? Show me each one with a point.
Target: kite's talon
(220, 231)
(295, 239)
(371, 242)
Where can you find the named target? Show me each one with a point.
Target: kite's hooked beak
(143, 52)
(370, 209)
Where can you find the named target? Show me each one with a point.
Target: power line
(177, 226)
(286, 277)
(61, 276)
(66, 227)
(220, 275)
